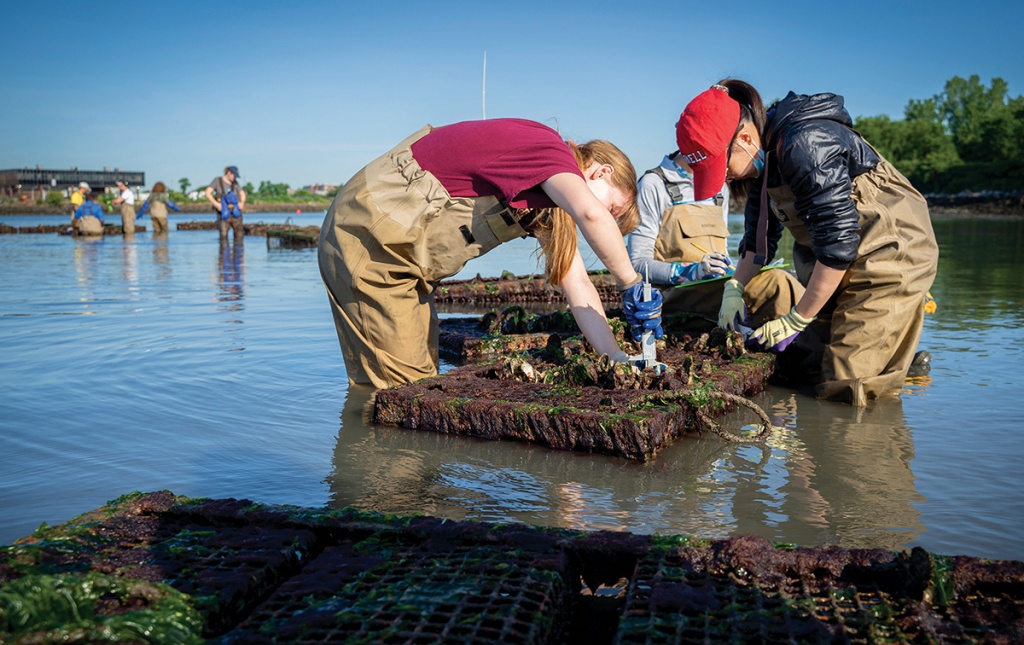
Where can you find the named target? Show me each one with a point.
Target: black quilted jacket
(812, 149)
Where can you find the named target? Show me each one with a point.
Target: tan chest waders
(878, 309)
(390, 235)
(684, 227)
(158, 215)
(127, 217)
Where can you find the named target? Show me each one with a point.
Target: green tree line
(267, 191)
(969, 137)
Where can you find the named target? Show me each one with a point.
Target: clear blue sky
(301, 92)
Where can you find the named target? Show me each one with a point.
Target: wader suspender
(761, 253)
(674, 191)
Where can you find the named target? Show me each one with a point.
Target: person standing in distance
(228, 199)
(126, 200)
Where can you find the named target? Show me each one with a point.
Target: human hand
(711, 265)
(733, 311)
(714, 264)
(779, 333)
(618, 357)
(642, 315)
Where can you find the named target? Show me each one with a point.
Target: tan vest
(686, 225)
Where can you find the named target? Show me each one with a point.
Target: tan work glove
(779, 333)
(733, 311)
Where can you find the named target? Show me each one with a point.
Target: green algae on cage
(559, 394)
(94, 607)
(362, 576)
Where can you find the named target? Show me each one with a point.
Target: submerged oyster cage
(544, 386)
(159, 568)
(515, 289)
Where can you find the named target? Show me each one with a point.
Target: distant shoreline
(186, 207)
(980, 205)
(990, 205)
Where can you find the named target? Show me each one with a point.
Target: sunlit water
(177, 364)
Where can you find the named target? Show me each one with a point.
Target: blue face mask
(758, 160)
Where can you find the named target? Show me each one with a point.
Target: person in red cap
(864, 245)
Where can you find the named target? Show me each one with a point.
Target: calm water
(175, 363)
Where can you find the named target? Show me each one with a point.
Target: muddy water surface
(214, 371)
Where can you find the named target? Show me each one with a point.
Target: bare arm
(746, 269)
(209, 196)
(585, 305)
(571, 193)
(241, 198)
(823, 283)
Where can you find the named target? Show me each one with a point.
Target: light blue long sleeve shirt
(653, 200)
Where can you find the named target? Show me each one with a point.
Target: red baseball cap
(703, 133)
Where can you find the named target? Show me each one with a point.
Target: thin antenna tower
(483, 91)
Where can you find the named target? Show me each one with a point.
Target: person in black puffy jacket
(864, 245)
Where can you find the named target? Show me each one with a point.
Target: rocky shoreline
(983, 204)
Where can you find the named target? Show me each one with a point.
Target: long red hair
(557, 233)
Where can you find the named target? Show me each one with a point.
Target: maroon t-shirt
(504, 158)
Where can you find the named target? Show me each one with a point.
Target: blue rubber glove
(712, 265)
(779, 333)
(733, 311)
(642, 316)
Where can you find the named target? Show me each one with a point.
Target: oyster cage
(562, 396)
(159, 568)
(514, 289)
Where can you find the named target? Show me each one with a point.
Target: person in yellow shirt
(78, 197)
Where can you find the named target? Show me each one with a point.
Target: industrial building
(20, 181)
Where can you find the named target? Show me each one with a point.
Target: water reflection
(130, 262)
(830, 474)
(837, 475)
(161, 256)
(231, 275)
(87, 254)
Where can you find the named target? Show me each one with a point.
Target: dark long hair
(751, 111)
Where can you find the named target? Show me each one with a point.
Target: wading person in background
(78, 198)
(864, 243)
(126, 201)
(446, 195)
(157, 205)
(682, 241)
(88, 218)
(228, 200)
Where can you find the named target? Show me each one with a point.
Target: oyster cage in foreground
(157, 568)
(564, 397)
